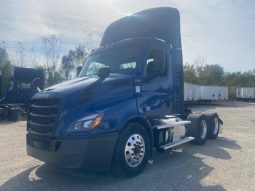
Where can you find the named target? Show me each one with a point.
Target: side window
(128, 65)
(94, 67)
(156, 64)
(127, 68)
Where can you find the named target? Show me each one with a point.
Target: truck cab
(126, 101)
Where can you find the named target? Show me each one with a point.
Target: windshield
(124, 61)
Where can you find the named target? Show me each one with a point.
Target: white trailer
(213, 93)
(224, 93)
(191, 92)
(208, 93)
(245, 93)
(196, 93)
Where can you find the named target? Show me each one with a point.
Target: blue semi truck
(126, 101)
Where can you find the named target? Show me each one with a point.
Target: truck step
(176, 143)
(168, 124)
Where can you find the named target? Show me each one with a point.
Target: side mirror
(38, 89)
(103, 72)
(78, 70)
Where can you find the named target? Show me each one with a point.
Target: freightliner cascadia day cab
(126, 101)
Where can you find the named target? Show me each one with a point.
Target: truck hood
(89, 89)
(72, 85)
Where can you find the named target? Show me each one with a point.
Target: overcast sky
(221, 31)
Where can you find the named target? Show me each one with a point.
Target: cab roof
(141, 42)
(156, 23)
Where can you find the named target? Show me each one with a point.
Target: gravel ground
(227, 163)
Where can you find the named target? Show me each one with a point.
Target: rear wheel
(198, 129)
(213, 123)
(132, 150)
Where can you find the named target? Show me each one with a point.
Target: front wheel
(132, 150)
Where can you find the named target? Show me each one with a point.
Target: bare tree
(51, 46)
(33, 58)
(19, 53)
(88, 42)
(200, 61)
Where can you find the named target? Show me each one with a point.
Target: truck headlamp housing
(87, 123)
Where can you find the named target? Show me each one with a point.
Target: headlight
(86, 123)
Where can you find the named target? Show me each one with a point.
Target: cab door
(156, 87)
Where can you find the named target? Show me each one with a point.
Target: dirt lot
(227, 163)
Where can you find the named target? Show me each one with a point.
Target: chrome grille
(42, 116)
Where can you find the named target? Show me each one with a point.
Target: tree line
(214, 74)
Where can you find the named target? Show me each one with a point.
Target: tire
(132, 151)
(197, 129)
(213, 124)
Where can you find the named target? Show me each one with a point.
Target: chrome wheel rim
(134, 150)
(203, 129)
(216, 125)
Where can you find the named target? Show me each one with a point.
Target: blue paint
(144, 57)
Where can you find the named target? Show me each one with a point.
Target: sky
(219, 31)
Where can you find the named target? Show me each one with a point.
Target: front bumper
(94, 153)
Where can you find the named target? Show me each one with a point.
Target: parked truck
(24, 84)
(126, 101)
